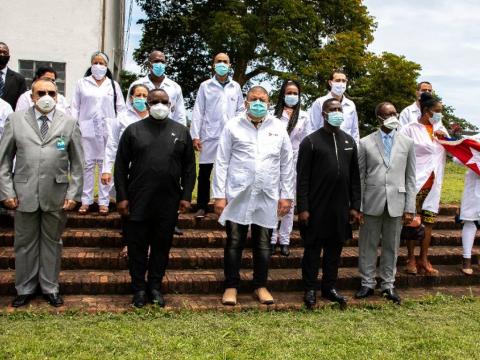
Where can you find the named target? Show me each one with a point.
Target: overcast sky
(443, 36)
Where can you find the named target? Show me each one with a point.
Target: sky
(443, 36)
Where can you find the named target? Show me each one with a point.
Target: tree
(126, 78)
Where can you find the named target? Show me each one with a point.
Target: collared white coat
(174, 91)
(430, 157)
(470, 207)
(115, 129)
(5, 110)
(25, 101)
(251, 166)
(410, 114)
(350, 117)
(214, 106)
(93, 106)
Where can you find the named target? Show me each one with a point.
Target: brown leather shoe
(264, 296)
(467, 266)
(230, 297)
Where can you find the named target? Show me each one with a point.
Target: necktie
(44, 127)
(2, 85)
(387, 143)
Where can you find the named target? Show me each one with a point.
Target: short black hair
(327, 102)
(153, 91)
(42, 70)
(427, 101)
(422, 82)
(335, 71)
(381, 105)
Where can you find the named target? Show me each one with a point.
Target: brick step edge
(212, 258)
(183, 302)
(211, 281)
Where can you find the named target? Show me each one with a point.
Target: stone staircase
(93, 273)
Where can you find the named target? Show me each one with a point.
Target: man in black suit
(12, 84)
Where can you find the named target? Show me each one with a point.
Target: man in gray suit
(47, 182)
(387, 174)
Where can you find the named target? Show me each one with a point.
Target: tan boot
(230, 297)
(264, 296)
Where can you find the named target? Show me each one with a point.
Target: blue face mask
(158, 69)
(257, 108)
(221, 69)
(139, 104)
(291, 100)
(436, 118)
(335, 118)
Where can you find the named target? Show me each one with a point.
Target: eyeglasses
(51, 93)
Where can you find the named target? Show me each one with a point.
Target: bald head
(221, 58)
(156, 55)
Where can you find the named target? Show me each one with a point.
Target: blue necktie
(387, 144)
(2, 85)
(44, 127)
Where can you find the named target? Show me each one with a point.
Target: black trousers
(156, 234)
(203, 189)
(332, 249)
(236, 238)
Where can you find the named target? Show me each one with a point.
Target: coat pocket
(20, 178)
(61, 179)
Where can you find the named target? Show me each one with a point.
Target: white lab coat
(214, 106)
(410, 114)
(251, 166)
(115, 129)
(93, 106)
(350, 117)
(174, 91)
(470, 207)
(25, 101)
(430, 157)
(5, 110)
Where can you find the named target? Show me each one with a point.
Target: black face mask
(4, 60)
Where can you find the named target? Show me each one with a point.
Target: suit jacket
(387, 183)
(14, 87)
(46, 173)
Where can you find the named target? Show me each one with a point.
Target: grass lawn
(436, 328)
(453, 184)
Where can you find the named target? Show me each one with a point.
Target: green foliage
(126, 78)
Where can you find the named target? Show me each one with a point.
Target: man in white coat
(337, 84)
(412, 112)
(218, 100)
(254, 160)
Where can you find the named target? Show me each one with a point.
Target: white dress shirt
(5, 110)
(49, 116)
(252, 164)
(410, 114)
(25, 101)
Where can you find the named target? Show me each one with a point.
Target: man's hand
(197, 145)
(122, 207)
(184, 206)
(219, 205)
(106, 178)
(355, 216)
(284, 206)
(361, 219)
(11, 204)
(407, 218)
(69, 204)
(303, 217)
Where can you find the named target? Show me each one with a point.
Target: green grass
(453, 184)
(436, 328)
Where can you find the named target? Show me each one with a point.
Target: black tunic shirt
(154, 168)
(328, 184)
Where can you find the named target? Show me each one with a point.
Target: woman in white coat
(288, 110)
(97, 98)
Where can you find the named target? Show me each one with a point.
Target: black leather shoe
(284, 250)
(364, 292)
(22, 300)
(273, 249)
(139, 299)
(157, 298)
(391, 295)
(333, 295)
(54, 299)
(177, 231)
(310, 298)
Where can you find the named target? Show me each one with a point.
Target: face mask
(139, 104)
(291, 100)
(391, 123)
(257, 109)
(338, 88)
(4, 60)
(46, 103)
(158, 69)
(335, 118)
(221, 69)
(436, 118)
(99, 71)
(159, 111)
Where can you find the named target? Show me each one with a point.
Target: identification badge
(61, 144)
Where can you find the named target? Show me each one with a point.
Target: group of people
(265, 164)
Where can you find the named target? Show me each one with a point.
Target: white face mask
(391, 123)
(46, 103)
(338, 88)
(159, 111)
(99, 71)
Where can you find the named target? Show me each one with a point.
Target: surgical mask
(391, 123)
(257, 108)
(139, 104)
(99, 71)
(291, 100)
(436, 118)
(46, 103)
(4, 59)
(338, 88)
(158, 69)
(335, 118)
(221, 69)
(159, 111)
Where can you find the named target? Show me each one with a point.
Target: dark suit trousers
(203, 190)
